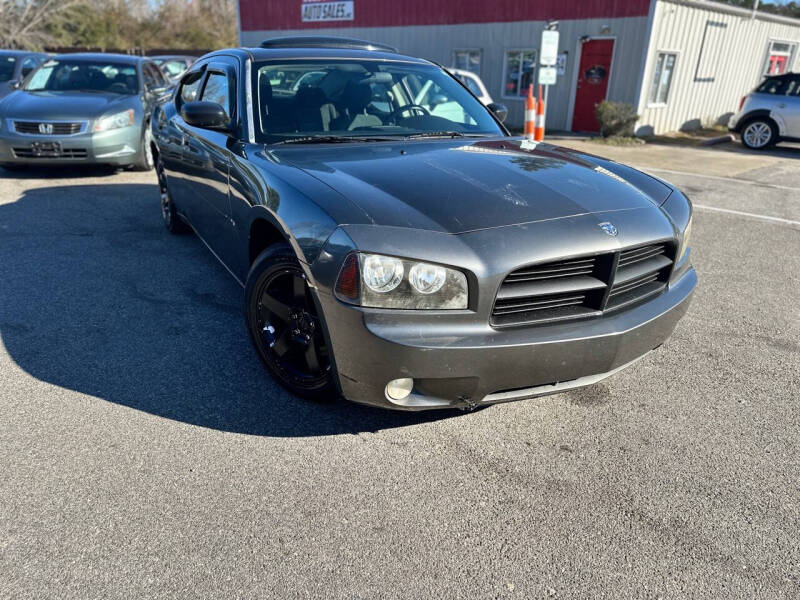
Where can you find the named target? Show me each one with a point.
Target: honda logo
(46, 128)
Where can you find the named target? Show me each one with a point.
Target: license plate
(46, 149)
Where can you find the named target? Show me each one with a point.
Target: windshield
(84, 76)
(7, 67)
(369, 99)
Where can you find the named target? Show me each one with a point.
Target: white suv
(770, 113)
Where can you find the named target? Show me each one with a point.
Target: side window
(217, 90)
(662, 78)
(28, 65)
(518, 72)
(190, 86)
(149, 80)
(794, 88)
(152, 77)
(773, 86)
(472, 86)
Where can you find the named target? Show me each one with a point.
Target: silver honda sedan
(83, 108)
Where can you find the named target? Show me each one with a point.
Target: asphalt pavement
(146, 453)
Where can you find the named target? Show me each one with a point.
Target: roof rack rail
(314, 41)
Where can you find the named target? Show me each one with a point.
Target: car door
(207, 158)
(791, 109)
(171, 136)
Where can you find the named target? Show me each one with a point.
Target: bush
(616, 118)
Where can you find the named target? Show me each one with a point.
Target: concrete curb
(722, 139)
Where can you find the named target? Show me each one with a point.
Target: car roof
(172, 56)
(260, 54)
(100, 56)
(20, 53)
(782, 75)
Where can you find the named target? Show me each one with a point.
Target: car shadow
(59, 171)
(99, 298)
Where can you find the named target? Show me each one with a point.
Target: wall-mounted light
(605, 29)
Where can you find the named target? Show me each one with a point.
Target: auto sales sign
(320, 10)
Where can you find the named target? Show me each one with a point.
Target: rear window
(778, 86)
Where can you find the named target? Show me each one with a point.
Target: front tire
(759, 133)
(284, 325)
(146, 161)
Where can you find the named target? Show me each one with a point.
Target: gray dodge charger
(397, 246)
(82, 108)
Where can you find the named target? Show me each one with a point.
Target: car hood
(455, 186)
(21, 104)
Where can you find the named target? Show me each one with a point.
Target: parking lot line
(749, 215)
(728, 179)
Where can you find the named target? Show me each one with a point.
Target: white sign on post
(547, 75)
(548, 54)
(313, 11)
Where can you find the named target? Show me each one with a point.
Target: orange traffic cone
(539, 129)
(530, 114)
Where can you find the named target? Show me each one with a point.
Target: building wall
(721, 54)
(437, 43)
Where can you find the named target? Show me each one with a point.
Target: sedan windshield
(7, 68)
(84, 76)
(348, 100)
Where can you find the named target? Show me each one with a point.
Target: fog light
(399, 389)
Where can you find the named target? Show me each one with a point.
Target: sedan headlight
(684, 246)
(378, 281)
(115, 121)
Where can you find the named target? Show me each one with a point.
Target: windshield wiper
(331, 139)
(425, 134)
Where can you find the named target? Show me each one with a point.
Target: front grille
(582, 287)
(64, 153)
(32, 127)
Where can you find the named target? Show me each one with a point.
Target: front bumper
(463, 365)
(115, 147)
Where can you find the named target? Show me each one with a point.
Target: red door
(593, 74)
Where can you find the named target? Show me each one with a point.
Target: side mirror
(500, 111)
(208, 115)
(15, 85)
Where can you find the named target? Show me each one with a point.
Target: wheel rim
(148, 150)
(288, 328)
(757, 134)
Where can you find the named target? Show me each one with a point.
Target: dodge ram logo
(609, 229)
(46, 128)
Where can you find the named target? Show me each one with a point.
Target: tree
(25, 23)
(118, 24)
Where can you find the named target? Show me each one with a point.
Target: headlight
(684, 246)
(116, 121)
(377, 281)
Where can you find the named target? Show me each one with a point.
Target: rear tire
(169, 214)
(284, 325)
(759, 133)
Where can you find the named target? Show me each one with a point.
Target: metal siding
(286, 14)
(738, 65)
(437, 43)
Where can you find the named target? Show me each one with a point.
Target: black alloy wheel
(284, 324)
(170, 216)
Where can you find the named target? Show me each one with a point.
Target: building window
(662, 77)
(779, 58)
(518, 72)
(468, 60)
